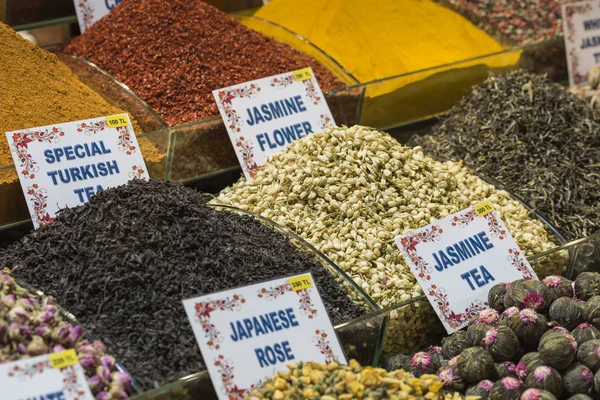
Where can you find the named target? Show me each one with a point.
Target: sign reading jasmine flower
(458, 259)
(263, 117)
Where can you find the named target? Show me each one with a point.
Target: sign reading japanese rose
(64, 165)
(581, 23)
(55, 376)
(264, 116)
(458, 259)
(90, 11)
(248, 334)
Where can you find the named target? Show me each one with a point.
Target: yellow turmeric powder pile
(36, 90)
(383, 38)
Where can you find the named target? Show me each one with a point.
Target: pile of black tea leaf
(536, 139)
(123, 262)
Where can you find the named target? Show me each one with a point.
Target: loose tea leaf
(123, 262)
(550, 146)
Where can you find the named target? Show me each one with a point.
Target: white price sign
(90, 11)
(263, 117)
(581, 24)
(64, 165)
(458, 259)
(249, 333)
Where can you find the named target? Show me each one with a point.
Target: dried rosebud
(557, 349)
(18, 314)
(578, 379)
(103, 373)
(99, 346)
(9, 300)
(546, 378)
(567, 312)
(43, 331)
(37, 346)
(455, 344)
(104, 396)
(585, 332)
(14, 331)
(475, 364)
(22, 348)
(95, 383)
(122, 378)
(61, 333)
(87, 362)
(501, 343)
(481, 389)
(75, 334)
(117, 393)
(537, 394)
(107, 361)
(58, 348)
(506, 388)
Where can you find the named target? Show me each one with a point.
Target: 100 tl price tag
(249, 333)
(458, 259)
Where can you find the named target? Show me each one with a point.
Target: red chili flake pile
(174, 53)
(519, 21)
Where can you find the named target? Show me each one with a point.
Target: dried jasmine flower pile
(123, 262)
(539, 342)
(535, 138)
(31, 326)
(312, 380)
(351, 191)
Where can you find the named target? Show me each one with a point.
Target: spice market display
(108, 278)
(351, 191)
(550, 155)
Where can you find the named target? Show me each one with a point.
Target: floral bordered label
(252, 332)
(581, 24)
(264, 116)
(36, 378)
(90, 11)
(65, 165)
(458, 259)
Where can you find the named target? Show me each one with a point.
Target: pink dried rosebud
(49, 300)
(46, 317)
(75, 334)
(107, 361)
(104, 396)
(42, 330)
(26, 331)
(14, 331)
(533, 300)
(61, 333)
(99, 346)
(488, 316)
(9, 300)
(87, 362)
(86, 348)
(103, 373)
(25, 302)
(37, 346)
(117, 393)
(58, 348)
(22, 348)
(528, 316)
(95, 383)
(18, 314)
(122, 378)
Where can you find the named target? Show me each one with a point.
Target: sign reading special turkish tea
(458, 259)
(90, 11)
(64, 165)
(264, 116)
(248, 334)
(581, 24)
(55, 376)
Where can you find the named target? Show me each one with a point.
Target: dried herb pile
(123, 262)
(312, 380)
(542, 335)
(31, 326)
(351, 191)
(174, 53)
(539, 141)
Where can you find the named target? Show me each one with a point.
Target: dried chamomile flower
(558, 287)
(557, 349)
(475, 364)
(578, 379)
(501, 342)
(537, 394)
(567, 312)
(508, 388)
(455, 344)
(529, 326)
(481, 389)
(588, 354)
(496, 297)
(546, 378)
(587, 285)
(585, 332)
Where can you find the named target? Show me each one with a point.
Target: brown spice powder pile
(38, 90)
(174, 53)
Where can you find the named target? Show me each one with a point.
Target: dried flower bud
(107, 361)
(585, 332)
(558, 287)
(37, 346)
(423, 363)
(117, 393)
(537, 394)
(506, 388)
(14, 331)
(74, 335)
(104, 396)
(481, 389)
(95, 383)
(546, 378)
(103, 373)
(42, 330)
(451, 380)
(501, 343)
(122, 378)
(528, 326)
(87, 362)
(18, 314)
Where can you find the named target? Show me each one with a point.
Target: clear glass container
(32, 14)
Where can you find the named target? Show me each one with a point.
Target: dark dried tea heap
(550, 142)
(123, 262)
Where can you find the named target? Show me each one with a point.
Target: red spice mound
(174, 53)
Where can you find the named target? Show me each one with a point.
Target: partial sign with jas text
(90, 11)
(581, 24)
